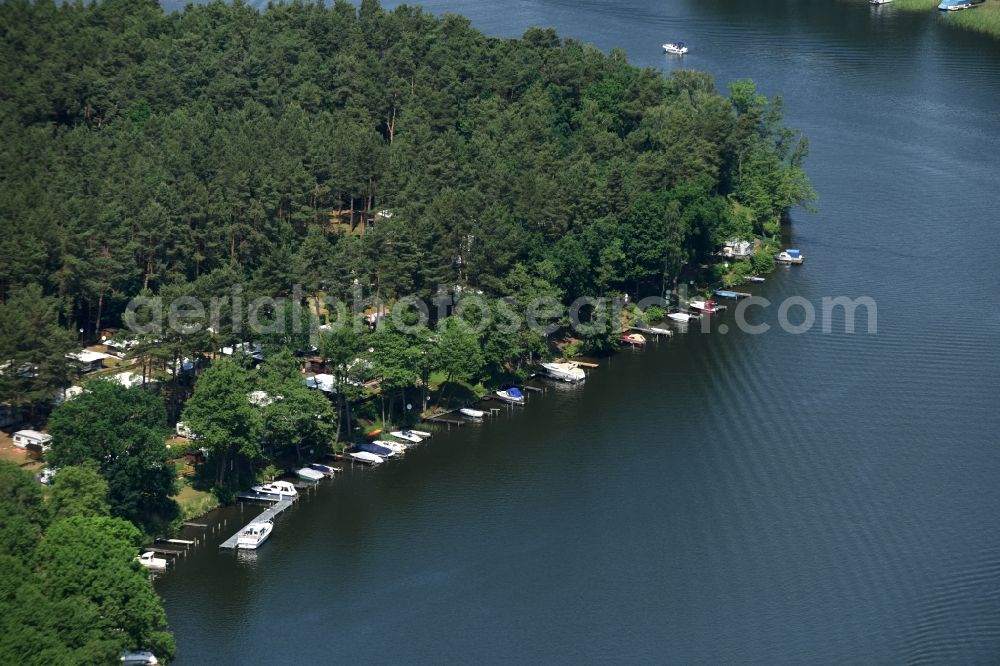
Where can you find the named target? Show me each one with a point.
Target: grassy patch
(193, 502)
(916, 5)
(984, 18)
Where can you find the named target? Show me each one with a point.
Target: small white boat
(395, 447)
(472, 413)
(879, 2)
(675, 48)
(407, 436)
(660, 331)
(279, 489)
(512, 395)
(790, 257)
(139, 658)
(309, 474)
(682, 317)
(366, 458)
(634, 339)
(707, 307)
(152, 562)
(254, 534)
(420, 433)
(756, 279)
(566, 372)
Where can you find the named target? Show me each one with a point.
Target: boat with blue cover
(512, 395)
(790, 257)
(377, 449)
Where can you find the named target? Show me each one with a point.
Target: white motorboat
(660, 331)
(707, 307)
(879, 2)
(139, 658)
(567, 372)
(512, 395)
(790, 257)
(366, 457)
(472, 413)
(254, 534)
(152, 562)
(395, 447)
(682, 317)
(407, 436)
(634, 339)
(279, 489)
(675, 48)
(420, 433)
(309, 474)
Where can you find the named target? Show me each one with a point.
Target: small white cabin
(25, 438)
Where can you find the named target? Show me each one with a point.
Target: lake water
(717, 498)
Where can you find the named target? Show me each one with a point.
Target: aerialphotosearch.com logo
(235, 314)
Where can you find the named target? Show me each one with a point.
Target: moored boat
(407, 436)
(377, 449)
(365, 457)
(152, 562)
(472, 413)
(755, 279)
(139, 658)
(326, 470)
(254, 534)
(512, 395)
(635, 339)
(675, 48)
(309, 474)
(395, 447)
(423, 434)
(789, 257)
(567, 372)
(682, 317)
(276, 489)
(708, 307)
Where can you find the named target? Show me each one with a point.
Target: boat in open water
(675, 48)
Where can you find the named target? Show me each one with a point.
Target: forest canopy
(186, 152)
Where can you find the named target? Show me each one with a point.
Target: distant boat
(139, 658)
(325, 469)
(789, 257)
(309, 474)
(254, 534)
(366, 457)
(755, 278)
(152, 562)
(707, 307)
(566, 372)
(472, 413)
(879, 2)
(682, 317)
(675, 48)
(396, 447)
(407, 436)
(276, 489)
(512, 395)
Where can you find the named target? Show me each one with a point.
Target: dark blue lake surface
(720, 497)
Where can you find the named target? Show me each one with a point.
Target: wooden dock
(655, 332)
(275, 509)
